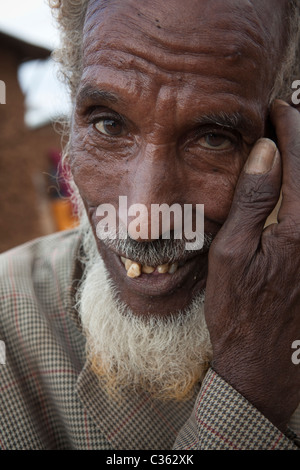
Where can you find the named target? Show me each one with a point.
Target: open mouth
(143, 285)
(135, 269)
(163, 279)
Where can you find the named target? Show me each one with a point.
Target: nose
(153, 194)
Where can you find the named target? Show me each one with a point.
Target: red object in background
(62, 207)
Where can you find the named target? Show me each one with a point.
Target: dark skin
(172, 99)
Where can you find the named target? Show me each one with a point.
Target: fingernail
(281, 103)
(261, 158)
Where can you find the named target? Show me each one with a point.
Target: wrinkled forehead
(218, 27)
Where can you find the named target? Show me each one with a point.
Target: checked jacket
(50, 399)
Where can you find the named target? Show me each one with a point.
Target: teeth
(128, 263)
(135, 269)
(173, 268)
(147, 269)
(163, 268)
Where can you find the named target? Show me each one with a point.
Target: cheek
(216, 190)
(97, 177)
(219, 203)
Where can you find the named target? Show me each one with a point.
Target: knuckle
(289, 232)
(258, 191)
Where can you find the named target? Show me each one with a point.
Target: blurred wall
(25, 204)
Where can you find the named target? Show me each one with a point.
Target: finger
(255, 197)
(286, 121)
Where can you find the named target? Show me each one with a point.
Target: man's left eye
(214, 141)
(110, 127)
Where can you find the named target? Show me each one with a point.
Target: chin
(152, 287)
(167, 355)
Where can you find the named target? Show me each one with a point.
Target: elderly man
(137, 342)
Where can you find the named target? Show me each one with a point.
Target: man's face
(172, 97)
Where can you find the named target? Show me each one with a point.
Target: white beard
(165, 357)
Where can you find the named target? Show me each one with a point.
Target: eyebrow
(90, 95)
(234, 120)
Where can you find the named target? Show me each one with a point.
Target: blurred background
(33, 195)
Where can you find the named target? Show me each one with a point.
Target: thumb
(255, 197)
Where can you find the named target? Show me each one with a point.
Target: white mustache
(154, 252)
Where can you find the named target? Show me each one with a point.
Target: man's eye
(109, 127)
(215, 141)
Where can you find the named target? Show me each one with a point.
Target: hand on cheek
(253, 287)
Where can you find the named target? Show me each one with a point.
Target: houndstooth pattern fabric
(50, 399)
(234, 424)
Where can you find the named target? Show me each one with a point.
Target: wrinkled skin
(257, 319)
(159, 79)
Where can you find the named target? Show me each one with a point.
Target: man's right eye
(110, 127)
